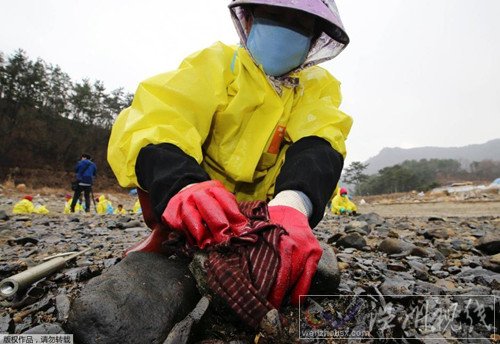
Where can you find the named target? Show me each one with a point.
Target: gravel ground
(394, 267)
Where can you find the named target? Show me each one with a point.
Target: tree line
(421, 175)
(47, 120)
(44, 87)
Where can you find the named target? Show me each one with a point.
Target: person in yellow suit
(342, 205)
(67, 205)
(255, 121)
(137, 207)
(120, 210)
(24, 206)
(104, 206)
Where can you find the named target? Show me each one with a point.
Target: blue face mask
(278, 48)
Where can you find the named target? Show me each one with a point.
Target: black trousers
(86, 192)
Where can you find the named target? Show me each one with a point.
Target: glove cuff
(293, 199)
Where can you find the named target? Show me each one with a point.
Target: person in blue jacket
(86, 172)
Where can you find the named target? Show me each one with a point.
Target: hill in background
(465, 155)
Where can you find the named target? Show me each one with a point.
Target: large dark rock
(489, 244)
(138, 300)
(395, 246)
(327, 277)
(353, 240)
(372, 219)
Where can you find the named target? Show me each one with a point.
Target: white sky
(417, 72)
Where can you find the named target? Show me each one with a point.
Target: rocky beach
(402, 277)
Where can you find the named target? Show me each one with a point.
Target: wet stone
(22, 241)
(3, 216)
(397, 266)
(168, 295)
(352, 240)
(371, 218)
(462, 244)
(62, 306)
(360, 227)
(454, 269)
(424, 288)
(394, 246)
(489, 244)
(495, 259)
(327, 276)
(437, 233)
(492, 263)
(436, 219)
(419, 252)
(111, 225)
(129, 224)
(6, 324)
(436, 266)
(445, 249)
(420, 270)
(396, 287)
(440, 273)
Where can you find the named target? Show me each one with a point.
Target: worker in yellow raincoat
(120, 210)
(104, 206)
(342, 205)
(67, 205)
(255, 121)
(24, 206)
(136, 209)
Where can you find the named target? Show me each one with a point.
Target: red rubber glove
(206, 212)
(299, 253)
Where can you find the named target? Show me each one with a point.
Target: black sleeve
(313, 167)
(163, 170)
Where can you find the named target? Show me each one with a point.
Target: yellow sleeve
(175, 107)
(317, 112)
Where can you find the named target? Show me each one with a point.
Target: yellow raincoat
(220, 108)
(104, 206)
(342, 205)
(24, 206)
(41, 209)
(67, 207)
(137, 207)
(120, 212)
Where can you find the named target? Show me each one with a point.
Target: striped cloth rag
(243, 271)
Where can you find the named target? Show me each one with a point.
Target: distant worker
(104, 206)
(24, 206)
(342, 205)
(85, 174)
(120, 210)
(137, 207)
(67, 205)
